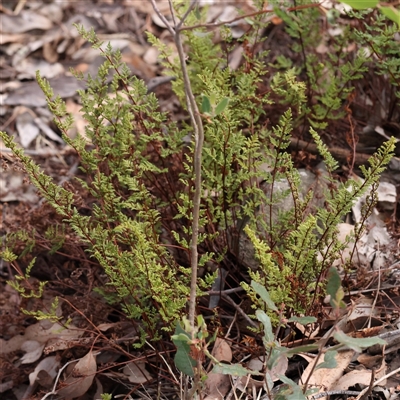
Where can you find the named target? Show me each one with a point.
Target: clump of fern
(140, 175)
(122, 230)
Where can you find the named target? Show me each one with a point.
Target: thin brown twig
(239, 310)
(376, 383)
(370, 387)
(227, 291)
(254, 14)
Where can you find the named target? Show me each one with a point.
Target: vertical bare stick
(197, 125)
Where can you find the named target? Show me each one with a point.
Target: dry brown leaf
(6, 386)
(80, 123)
(27, 69)
(151, 56)
(362, 312)
(235, 58)
(322, 48)
(12, 38)
(33, 351)
(39, 332)
(138, 65)
(369, 361)
(367, 332)
(44, 379)
(44, 127)
(99, 390)
(106, 326)
(26, 127)
(353, 378)
(53, 11)
(325, 378)
(24, 22)
(222, 350)
(80, 379)
(136, 372)
(362, 377)
(14, 188)
(144, 7)
(216, 386)
(49, 53)
(30, 94)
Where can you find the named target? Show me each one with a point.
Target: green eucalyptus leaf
(303, 320)
(361, 4)
(392, 13)
(263, 293)
(357, 344)
(309, 392)
(221, 106)
(234, 370)
(266, 321)
(205, 105)
(183, 361)
(274, 355)
(197, 13)
(333, 282)
(290, 391)
(329, 360)
(301, 349)
(183, 337)
(334, 288)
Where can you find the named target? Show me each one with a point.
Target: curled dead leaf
(80, 379)
(49, 365)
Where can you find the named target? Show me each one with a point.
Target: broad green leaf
(269, 382)
(309, 392)
(334, 288)
(301, 349)
(183, 337)
(205, 105)
(234, 370)
(392, 13)
(339, 297)
(361, 4)
(266, 321)
(274, 355)
(197, 13)
(334, 283)
(290, 391)
(357, 344)
(263, 293)
(303, 320)
(183, 361)
(221, 106)
(329, 360)
(249, 21)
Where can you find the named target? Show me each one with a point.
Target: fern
(140, 182)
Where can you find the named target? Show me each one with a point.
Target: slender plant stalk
(197, 125)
